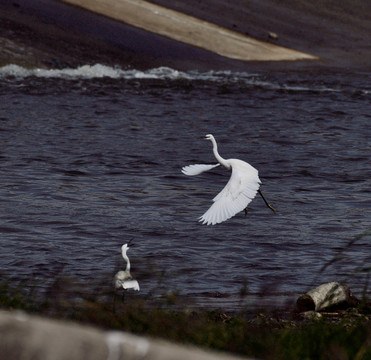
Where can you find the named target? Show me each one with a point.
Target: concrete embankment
(54, 33)
(190, 30)
(29, 337)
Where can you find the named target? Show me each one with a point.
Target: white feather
(131, 284)
(192, 170)
(236, 195)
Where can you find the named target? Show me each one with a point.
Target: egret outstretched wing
(192, 170)
(236, 195)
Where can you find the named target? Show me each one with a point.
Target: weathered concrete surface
(26, 337)
(56, 34)
(190, 30)
(339, 32)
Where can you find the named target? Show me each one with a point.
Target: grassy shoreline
(276, 334)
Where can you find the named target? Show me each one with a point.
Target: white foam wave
(91, 72)
(162, 73)
(86, 71)
(101, 71)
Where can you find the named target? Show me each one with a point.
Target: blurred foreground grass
(266, 335)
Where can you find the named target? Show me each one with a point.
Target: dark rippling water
(91, 158)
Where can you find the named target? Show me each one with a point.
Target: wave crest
(91, 72)
(99, 71)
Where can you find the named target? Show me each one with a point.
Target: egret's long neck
(127, 262)
(217, 156)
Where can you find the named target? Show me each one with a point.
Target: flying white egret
(236, 195)
(123, 278)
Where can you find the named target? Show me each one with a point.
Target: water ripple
(91, 158)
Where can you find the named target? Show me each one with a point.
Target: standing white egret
(236, 195)
(123, 278)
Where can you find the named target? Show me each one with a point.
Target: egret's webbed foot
(246, 210)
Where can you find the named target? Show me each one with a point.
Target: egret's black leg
(266, 203)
